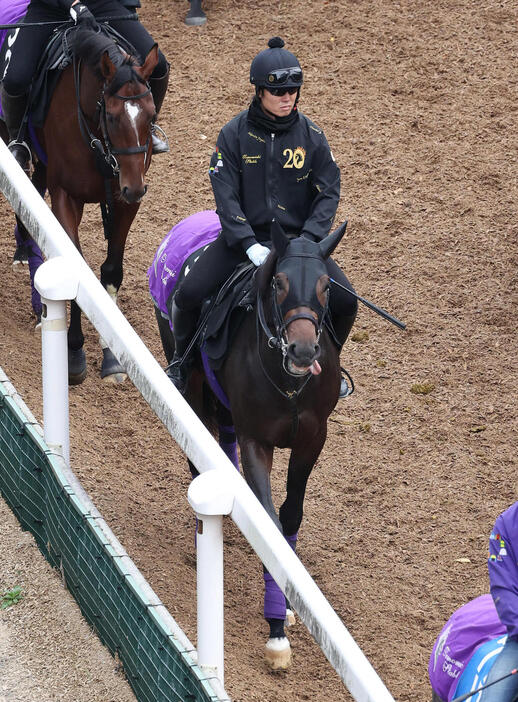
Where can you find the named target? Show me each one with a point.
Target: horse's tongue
(315, 368)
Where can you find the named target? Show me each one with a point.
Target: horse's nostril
(132, 195)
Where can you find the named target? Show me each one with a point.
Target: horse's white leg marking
(278, 653)
(290, 617)
(112, 292)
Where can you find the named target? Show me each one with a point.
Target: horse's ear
(264, 273)
(329, 244)
(150, 63)
(108, 68)
(278, 237)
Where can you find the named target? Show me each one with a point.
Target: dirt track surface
(418, 101)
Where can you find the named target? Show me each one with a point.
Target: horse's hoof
(21, 258)
(111, 369)
(290, 617)
(115, 378)
(76, 366)
(278, 653)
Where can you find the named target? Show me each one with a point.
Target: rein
(22, 25)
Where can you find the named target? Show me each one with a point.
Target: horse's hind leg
(27, 250)
(227, 434)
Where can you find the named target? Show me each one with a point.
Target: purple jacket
(503, 568)
(469, 627)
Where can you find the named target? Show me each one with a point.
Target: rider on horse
(503, 582)
(29, 43)
(478, 646)
(270, 162)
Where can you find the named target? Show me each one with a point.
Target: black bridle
(105, 154)
(279, 338)
(101, 106)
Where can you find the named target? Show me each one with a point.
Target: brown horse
(97, 140)
(282, 378)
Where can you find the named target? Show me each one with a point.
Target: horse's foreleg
(69, 211)
(111, 279)
(256, 460)
(303, 458)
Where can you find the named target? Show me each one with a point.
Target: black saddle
(222, 315)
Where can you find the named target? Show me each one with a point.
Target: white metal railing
(233, 497)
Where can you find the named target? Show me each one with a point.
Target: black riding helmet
(276, 67)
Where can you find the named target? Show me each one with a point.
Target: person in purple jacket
(465, 650)
(478, 646)
(503, 585)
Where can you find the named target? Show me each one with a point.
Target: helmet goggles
(286, 77)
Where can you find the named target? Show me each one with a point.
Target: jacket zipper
(268, 176)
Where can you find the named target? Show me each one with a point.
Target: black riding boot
(158, 90)
(14, 108)
(195, 16)
(184, 326)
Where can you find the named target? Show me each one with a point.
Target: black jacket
(257, 176)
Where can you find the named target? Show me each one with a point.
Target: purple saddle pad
(186, 237)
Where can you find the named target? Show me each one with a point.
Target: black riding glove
(82, 15)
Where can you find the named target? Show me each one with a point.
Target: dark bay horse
(282, 378)
(96, 139)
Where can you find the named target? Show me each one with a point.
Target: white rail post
(57, 281)
(211, 496)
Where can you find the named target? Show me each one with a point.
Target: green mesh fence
(113, 596)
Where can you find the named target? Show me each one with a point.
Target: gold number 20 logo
(294, 158)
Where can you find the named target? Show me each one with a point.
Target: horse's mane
(89, 46)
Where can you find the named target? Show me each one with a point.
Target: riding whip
(371, 305)
(21, 25)
(475, 692)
